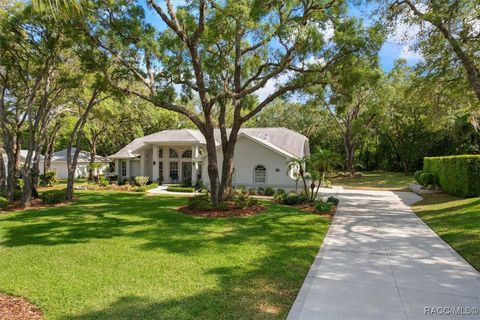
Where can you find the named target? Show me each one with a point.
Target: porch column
(155, 163)
(142, 163)
(128, 168)
(166, 165)
(194, 164)
(117, 167)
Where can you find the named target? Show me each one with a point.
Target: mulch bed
(309, 208)
(36, 204)
(16, 308)
(249, 211)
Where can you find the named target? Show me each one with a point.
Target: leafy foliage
(323, 207)
(53, 196)
(181, 189)
(458, 175)
(3, 203)
(48, 179)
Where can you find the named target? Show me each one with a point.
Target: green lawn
(131, 256)
(376, 180)
(456, 220)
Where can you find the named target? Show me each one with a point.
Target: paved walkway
(163, 190)
(380, 261)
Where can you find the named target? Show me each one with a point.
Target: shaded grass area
(117, 255)
(376, 180)
(456, 220)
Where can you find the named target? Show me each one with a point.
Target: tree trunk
(227, 166)
(93, 155)
(47, 163)
(212, 165)
(349, 152)
(3, 172)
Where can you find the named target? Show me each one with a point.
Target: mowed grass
(456, 220)
(130, 256)
(376, 180)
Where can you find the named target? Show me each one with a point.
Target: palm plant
(298, 165)
(322, 161)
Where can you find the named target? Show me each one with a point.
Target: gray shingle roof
(291, 142)
(83, 156)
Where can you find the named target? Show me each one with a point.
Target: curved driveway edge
(380, 261)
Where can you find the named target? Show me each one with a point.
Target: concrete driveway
(380, 261)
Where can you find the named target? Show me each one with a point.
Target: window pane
(173, 153)
(260, 174)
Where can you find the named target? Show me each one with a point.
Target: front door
(186, 171)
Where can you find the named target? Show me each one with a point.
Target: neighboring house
(262, 157)
(59, 164)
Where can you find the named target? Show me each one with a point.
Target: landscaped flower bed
(237, 204)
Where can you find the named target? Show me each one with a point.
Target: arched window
(173, 153)
(260, 174)
(187, 154)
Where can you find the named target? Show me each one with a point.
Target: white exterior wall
(60, 167)
(134, 168)
(249, 154)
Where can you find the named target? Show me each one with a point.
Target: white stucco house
(262, 157)
(59, 164)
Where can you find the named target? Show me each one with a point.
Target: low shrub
(151, 186)
(200, 202)
(260, 191)
(269, 191)
(427, 178)
(323, 207)
(333, 200)
(242, 200)
(293, 199)
(358, 174)
(223, 206)
(417, 175)
(53, 196)
(17, 195)
(102, 181)
(187, 183)
(141, 189)
(280, 191)
(252, 191)
(327, 183)
(181, 189)
(241, 189)
(141, 181)
(48, 179)
(3, 203)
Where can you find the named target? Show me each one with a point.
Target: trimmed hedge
(180, 189)
(457, 175)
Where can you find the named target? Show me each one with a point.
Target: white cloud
(409, 54)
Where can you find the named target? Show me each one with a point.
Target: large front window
(124, 168)
(174, 170)
(160, 169)
(260, 174)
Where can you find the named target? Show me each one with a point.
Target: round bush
(323, 207)
(3, 203)
(53, 196)
(333, 200)
(269, 191)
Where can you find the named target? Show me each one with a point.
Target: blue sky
(394, 47)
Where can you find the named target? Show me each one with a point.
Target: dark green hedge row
(180, 189)
(458, 175)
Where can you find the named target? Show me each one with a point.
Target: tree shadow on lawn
(153, 219)
(264, 289)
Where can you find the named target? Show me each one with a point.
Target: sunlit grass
(376, 180)
(116, 255)
(456, 220)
